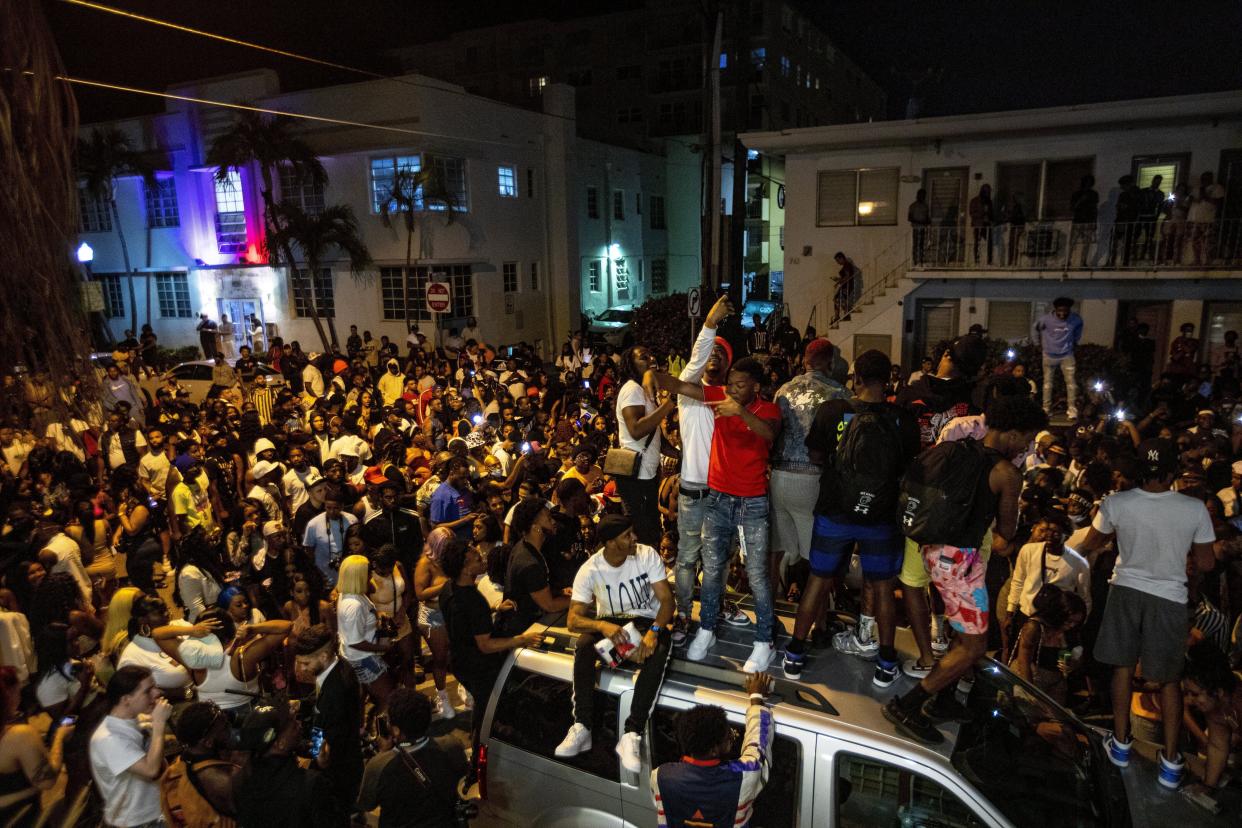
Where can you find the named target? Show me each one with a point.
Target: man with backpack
(864, 445)
(949, 498)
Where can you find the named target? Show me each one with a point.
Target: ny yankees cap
(1158, 456)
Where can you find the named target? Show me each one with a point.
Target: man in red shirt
(736, 508)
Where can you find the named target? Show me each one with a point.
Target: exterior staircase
(879, 294)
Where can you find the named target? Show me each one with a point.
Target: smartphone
(525, 448)
(68, 721)
(381, 726)
(316, 741)
(586, 383)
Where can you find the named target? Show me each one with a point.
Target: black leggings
(646, 686)
(642, 502)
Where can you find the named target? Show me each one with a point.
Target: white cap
(262, 468)
(263, 444)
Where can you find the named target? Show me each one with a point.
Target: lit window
(172, 291)
(230, 214)
(509, 277)
(724, 60)
(595, 278)
(621, 277)
(856, 197)
(506, 181)
(95, 214)
(383, 178)
(161, 200)
(301, 190)
(536, 85)
(786, 66)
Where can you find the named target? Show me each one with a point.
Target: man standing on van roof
(703, 790)
(623, 583)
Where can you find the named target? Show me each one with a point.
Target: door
(1219, 319)
(946, 197)
(1156, 315)
(935, 321)
(1231, 212)
(239, 312)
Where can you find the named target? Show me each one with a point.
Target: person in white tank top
(226, 665)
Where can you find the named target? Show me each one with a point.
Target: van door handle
(630, 780)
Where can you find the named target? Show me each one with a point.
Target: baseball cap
(262, 468)
(263, 444)
(612, 526)
(185, 462)
(1157, 456)
(313, 479)
(1237, 467)
(816, 346)
(272, 527)
(374, 476)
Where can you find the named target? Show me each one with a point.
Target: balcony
(1131, 250)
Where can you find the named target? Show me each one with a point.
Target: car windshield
(615, 315)
(1027, 755)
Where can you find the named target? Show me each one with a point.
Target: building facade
(516, 249)
(1164, 258)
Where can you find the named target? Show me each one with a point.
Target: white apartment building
(522, 252)
(849, 189)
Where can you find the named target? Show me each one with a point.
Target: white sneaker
(760, 658)
(577, 740)
(441, 707)
(703, 641)
(630, 751)
(464, 700)
(848, 642)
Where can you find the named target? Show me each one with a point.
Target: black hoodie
(935, 401)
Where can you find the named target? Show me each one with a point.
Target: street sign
(694, 303)
(439, 297)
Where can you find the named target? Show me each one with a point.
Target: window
(856, 197)
(658, 221)
(114, 302)
(659, 276)
(509, 277)
(595, 280)
(172, 290)
(1172, 170)
(536, 85)
(757, 57)
(230, 214)
(1010, 321)
(630, 115)
(777, 805)
(579, 77)
(461, 281)
(621, 277)
(534, 712)
(161, 199)
(1043, 188)
(452, 172)
(321, 286)
(631, 72)
(881, 793)
(506, 181)
(786, 66)
(383, 178)
(394, 290)
(95, 213)
(530, 182)
(638, 204)
(618, 205)
(592, 202)
(674, 74)
(534, 275)
(301, 189)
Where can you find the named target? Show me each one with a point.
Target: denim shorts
(880, 549)
(369, 669)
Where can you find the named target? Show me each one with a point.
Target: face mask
(1079, 520)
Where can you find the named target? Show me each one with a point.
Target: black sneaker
(946, 708)
(885, 673)
(915, 725)
(792, 665)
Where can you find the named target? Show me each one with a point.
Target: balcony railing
(1065, 246)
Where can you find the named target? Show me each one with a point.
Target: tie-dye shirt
(798, 400)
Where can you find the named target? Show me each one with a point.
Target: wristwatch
(655, 628)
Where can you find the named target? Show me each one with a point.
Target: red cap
(817, 347)
(375, 476)
(728, 349)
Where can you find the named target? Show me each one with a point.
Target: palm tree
(315, 235)
(269, 142)
(103, 158)
(411, 195)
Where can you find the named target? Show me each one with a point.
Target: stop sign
(439, 297)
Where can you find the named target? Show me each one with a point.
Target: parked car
(195, 377)
(613, 327)
(1022, 762)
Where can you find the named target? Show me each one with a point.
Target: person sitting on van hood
(704, 789)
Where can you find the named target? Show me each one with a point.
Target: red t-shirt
(739, 462)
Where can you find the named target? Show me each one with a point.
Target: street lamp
(86, 254)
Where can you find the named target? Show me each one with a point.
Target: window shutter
(1060, 181)
(879, 187)
(835, 198)
(1010, 321)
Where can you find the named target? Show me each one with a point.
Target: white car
(613, 327)
(195, 377)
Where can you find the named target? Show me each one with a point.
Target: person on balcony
(848, 285)
(1151, 205)
(982, 218)
(1085, 209)
(919, 216)
(1205, 205)
(1057, 334)
(1125, 225)
(1015, 217)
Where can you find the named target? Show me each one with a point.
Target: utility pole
(736, 259)
(711, 256)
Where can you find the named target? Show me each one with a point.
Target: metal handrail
(892, 275)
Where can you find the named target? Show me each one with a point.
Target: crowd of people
(250, 608)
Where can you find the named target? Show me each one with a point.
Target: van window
(871, 792)
(534, 713)
(777, 806)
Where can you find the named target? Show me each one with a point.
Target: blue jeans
(723, 516)
(689, 543)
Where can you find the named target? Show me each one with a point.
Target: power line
(155, 21)
(116, 87)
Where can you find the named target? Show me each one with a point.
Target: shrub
(661, 324)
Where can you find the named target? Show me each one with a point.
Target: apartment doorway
(946, 199)
(1156, 315)
(935, 321)
(239, 312)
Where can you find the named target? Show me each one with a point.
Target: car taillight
(482, 771)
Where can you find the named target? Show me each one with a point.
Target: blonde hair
(355, 576)
(120, 608)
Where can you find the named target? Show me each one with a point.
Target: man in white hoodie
(392, 382)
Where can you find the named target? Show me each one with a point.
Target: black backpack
(867, 466)
(939, 493)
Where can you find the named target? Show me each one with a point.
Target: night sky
(1002, 54)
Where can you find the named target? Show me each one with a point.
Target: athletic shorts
(369, 669)
(914, 570)
(960, 576)
(1141, 628)
(879, 549)
(791, 505)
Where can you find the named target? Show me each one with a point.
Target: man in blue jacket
(703, 790)
(1058, 333)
